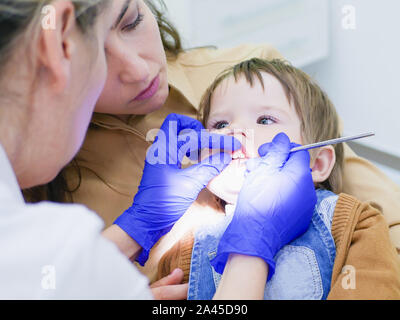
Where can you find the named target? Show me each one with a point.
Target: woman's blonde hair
(318, 116)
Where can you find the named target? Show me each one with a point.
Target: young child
(254, 101)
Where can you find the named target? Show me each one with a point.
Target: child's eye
(220, 125)
(266, 120)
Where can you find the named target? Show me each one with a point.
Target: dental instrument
(331, 142)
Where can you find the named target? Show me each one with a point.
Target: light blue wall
(362, 72)
(299, 29)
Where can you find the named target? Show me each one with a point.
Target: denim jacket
(303, 267)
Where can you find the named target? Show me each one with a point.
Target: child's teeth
(239, 155)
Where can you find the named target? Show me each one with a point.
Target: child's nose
(237, 132)
(246, 138)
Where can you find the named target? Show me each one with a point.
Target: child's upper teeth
(238, 155)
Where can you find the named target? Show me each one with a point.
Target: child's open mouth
(239, 157)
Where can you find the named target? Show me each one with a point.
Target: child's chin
(227, 185)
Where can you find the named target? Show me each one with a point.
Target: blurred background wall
(351, 47)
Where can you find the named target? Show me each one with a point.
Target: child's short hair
(318, 117)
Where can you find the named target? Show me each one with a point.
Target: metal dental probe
(333, 141)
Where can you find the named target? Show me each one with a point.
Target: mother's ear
(56, 45)
(322, 163)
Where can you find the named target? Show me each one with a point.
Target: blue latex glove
(274, 207)
(166, 191)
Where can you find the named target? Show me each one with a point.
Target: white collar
(9, 188)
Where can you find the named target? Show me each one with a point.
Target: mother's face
(137, 80)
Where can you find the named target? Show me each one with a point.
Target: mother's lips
(150, 91)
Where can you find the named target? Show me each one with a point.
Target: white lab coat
(55, 251)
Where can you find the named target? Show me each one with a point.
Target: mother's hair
(169, 35)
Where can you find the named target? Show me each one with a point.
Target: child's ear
(322, 163)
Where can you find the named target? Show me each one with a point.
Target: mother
(150, 77)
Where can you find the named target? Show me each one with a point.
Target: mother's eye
(134, 24)
(266, 120)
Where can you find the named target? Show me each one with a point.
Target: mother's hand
(167, 191)
(275, 205)
(170, 287)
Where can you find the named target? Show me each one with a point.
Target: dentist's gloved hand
(274, 207)
(167, 191)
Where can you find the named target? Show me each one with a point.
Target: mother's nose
(134, 69)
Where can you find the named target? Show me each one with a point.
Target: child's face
(254, 116)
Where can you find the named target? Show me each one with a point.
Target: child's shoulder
(325, 206)
(330, 204)
(324, 196)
